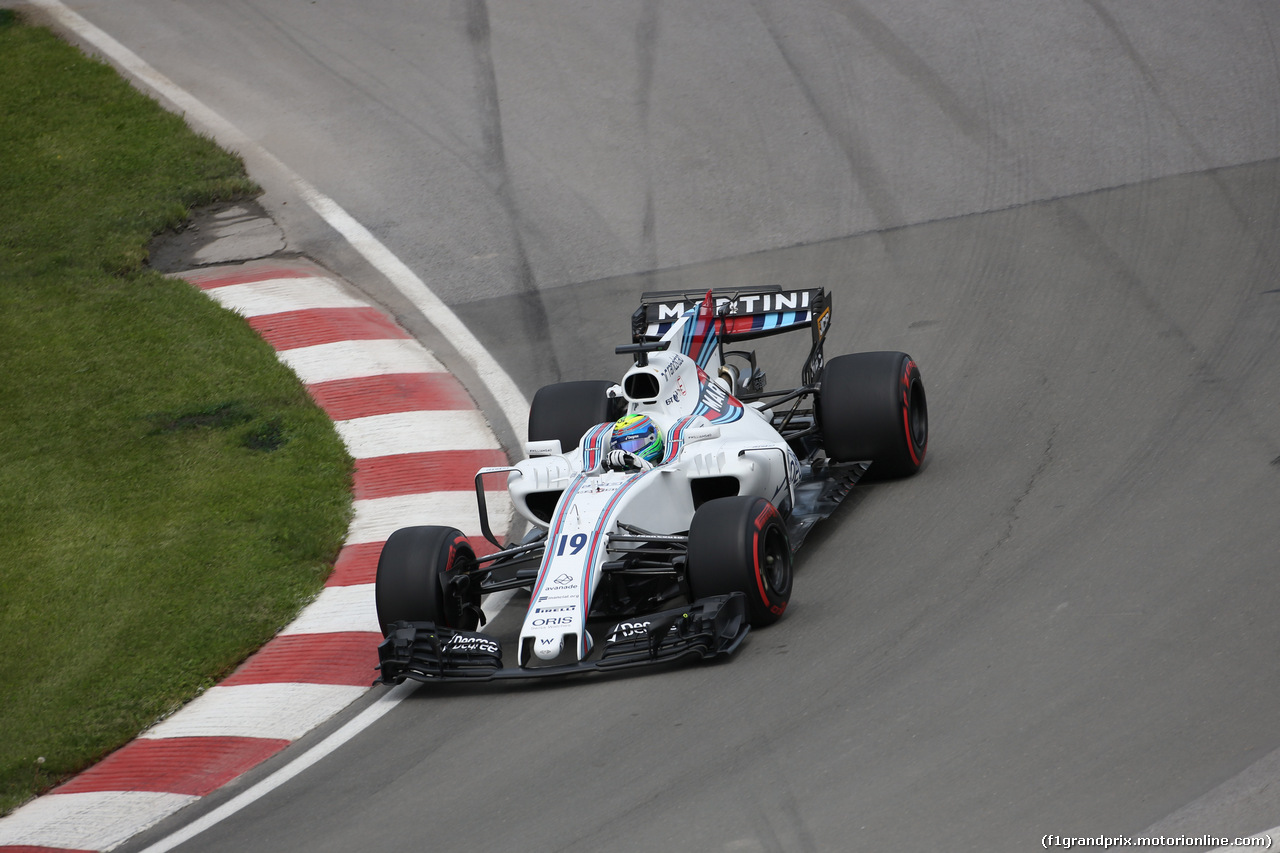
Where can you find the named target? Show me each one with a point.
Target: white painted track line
(385, 703)
(103, 819)
(510, 399)
(88, 821)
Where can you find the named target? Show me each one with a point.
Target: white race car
(665, 510)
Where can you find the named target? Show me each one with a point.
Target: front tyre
(872, 407)
(416, 571)
(740, 544)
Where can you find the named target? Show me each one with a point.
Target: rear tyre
(566, 410)
(872, 407)
(740, 544)
(414, 574)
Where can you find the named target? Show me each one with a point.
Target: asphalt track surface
(1067, 212)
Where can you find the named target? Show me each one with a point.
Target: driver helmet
(639, 436)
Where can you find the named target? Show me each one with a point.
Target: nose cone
(549, 648)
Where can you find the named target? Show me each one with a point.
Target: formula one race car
(665, 510)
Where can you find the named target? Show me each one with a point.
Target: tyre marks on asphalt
(417, 440)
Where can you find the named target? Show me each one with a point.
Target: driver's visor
(633, 443)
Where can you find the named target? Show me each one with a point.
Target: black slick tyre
(872, 407)
(414, 571)
(566, 410)
(740, 544)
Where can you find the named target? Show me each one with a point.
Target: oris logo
(552, 621)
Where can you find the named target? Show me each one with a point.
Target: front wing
(424, 651)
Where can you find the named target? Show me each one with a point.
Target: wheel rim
(775, 561)
(458, 593)
(918, 415)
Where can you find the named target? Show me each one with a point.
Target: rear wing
(742, 314)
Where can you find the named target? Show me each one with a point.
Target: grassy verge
(169, 496)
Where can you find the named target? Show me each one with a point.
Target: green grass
(169, 496)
